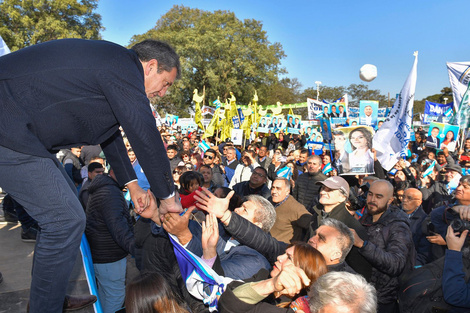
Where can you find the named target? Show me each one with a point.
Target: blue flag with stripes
(202, 282)
(429, 169)
(327, 168)
(285, 172)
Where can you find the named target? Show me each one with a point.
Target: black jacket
(305, 188)
(434, 195)
(390, 250)
(109, 226)
(354, 258)
(243, 189)
(254, 237)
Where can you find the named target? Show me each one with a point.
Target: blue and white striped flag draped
(391, 140)
(3, 47)
(202, 282)
(327, 168)
(429, 169)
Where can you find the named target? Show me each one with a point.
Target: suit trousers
(43, 187)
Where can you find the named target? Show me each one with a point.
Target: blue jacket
(456, 291)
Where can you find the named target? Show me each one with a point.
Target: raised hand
(211, 204)
(210, 236)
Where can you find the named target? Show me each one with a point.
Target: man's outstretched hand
(211, 204)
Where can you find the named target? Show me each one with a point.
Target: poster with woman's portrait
(171, 120)
(353, 153)
(441, 135)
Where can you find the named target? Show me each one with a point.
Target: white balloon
(368, 72)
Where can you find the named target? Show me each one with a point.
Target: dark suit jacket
(430, 142)
(67, 92)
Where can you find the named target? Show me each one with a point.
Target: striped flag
(429, 169)
(203, 145)
(202, 282)
(285, 172)
(327, 168)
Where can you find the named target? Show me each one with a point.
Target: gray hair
(314, 157)
(345, 239)
(265, 212)
(343, 289)
(285, 180)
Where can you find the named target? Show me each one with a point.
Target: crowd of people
(291, 232)
(276, 234)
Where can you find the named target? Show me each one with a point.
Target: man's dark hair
(165, 55)
(93, 166)
(304, 151)
(211, 151)
(204, 166)
(172, 147)
(263, 169)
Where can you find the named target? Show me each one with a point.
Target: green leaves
(28, 22)
(217, 51)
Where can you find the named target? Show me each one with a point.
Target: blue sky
(330, 40)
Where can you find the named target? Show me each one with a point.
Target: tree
(217, 51)
(28, 22)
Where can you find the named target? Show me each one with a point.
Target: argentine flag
(202, 282)
(285, 172)
(429, 169)
(327, 168)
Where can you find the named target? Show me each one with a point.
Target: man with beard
(390, 247)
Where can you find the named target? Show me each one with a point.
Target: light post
(445, 100)
(318, 83)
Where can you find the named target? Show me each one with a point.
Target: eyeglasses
(258, 174)
(176, 172)
(408, 198)
(210, 157)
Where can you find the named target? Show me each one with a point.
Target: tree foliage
(217, 51)
(28, 22)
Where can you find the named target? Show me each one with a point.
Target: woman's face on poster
(358, 140)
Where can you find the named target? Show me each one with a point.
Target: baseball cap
(335, 183)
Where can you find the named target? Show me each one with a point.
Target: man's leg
(111, 279)
(47, 194)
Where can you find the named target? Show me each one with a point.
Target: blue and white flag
(391, 140)
(203, 145)
(459, 77)
(327, 168)
(202, 282)
(285, 172)
(3, 47)
(429, 169)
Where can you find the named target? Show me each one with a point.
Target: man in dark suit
(73, 92)
(432, 141)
